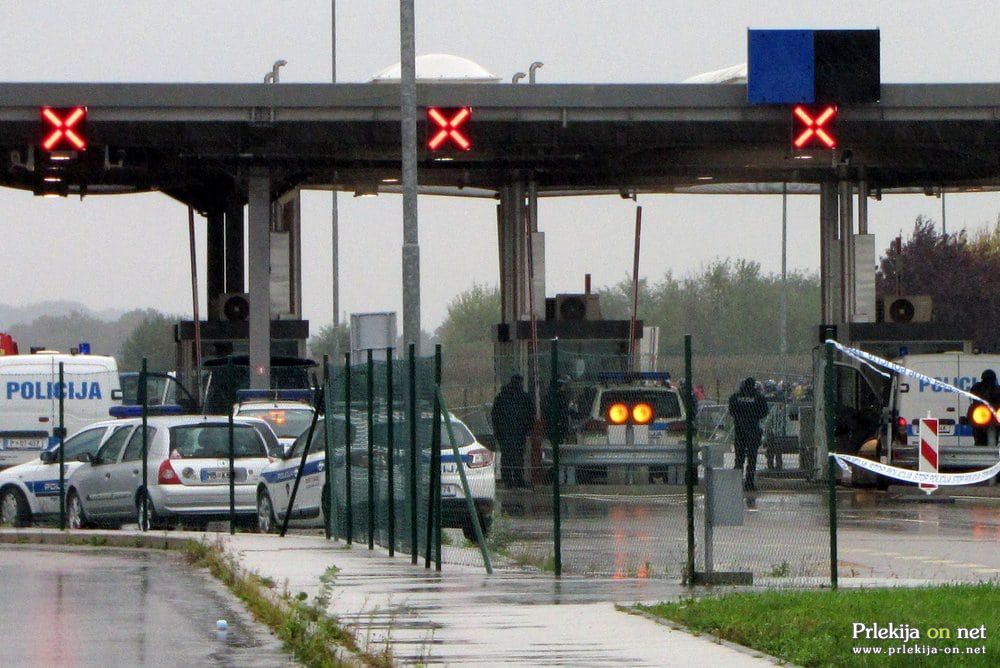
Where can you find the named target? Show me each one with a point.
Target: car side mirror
(47, 456)
(86, 458)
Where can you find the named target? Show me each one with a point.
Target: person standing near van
(988, 390)
(748, 407)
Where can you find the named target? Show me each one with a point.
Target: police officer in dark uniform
(512, 416)
(748, 407)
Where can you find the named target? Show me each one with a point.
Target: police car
(188, 471)
(286, 411)
(311, 502)
(29, 492)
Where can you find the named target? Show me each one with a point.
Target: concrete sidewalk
(464, 617)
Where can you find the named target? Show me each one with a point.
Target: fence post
(470, 505)
(830, 408)
(414, 543)
(302, 465)
(232, 478)
(389, 455)
(348, 492)
(144, 394)
(327, 445)
(555, 438)
(370, 389)
(437, 461)
(691, 476)
(61, 435)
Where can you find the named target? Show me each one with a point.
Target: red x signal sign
(444, 128)
(62, 129)
(813, 126)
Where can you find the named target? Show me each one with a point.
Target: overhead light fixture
(704, 178)
(366, 190)
(53, 179)
(390, 180)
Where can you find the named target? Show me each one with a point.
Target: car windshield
(319, 438)
(666, 405)
(286, 423)
(200, 441)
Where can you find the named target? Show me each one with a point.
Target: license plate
(449, 490)
(24, 443)
(221, 475)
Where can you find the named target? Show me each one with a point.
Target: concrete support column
(507, 231)
(846, 253)
(234, 246)
(259, 227)
(215, 255)
(829, 251)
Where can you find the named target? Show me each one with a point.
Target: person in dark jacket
(748, 407)
(512, 416)
(987, 389)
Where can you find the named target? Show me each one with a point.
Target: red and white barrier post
(928, 455)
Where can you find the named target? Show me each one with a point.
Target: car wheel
(265, 513)
(76, 517)
(146, 516)
(14, 509)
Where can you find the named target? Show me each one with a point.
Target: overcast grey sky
(95, 251)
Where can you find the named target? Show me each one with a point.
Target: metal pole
(709, 510)
(830, 399)
(635, 290)
(944, 221)
(348, 494)
(408, 115)
(298, 474)
(470, 505)
(691, 476)
(328, 444)
(556, 442)
(144, 390)
(389, 455)
(370, 388)
(232, 477)
(437, 460)
(783, 313)
(194, 301)
(334, 214)
(61, 435)
(414, 547)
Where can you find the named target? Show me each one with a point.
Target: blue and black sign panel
(813, 67)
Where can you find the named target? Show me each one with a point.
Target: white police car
(286, 411)
(278, 478)
(29, 492)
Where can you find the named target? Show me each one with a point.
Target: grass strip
(931, 626)
(305, 630)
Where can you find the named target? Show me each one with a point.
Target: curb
(742, 649)
(89, 538)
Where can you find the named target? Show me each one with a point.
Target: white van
(29, 399)
(911, 399)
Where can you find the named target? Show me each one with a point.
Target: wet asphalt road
(78, 607)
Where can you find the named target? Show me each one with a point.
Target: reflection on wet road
(76, 607)
(783, 535)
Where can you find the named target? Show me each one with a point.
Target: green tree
(332, 341)
(152, 338)
(960, 275)
(470, 319)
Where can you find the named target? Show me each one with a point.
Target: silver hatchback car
(187, 472)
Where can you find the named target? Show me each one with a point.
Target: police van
(30, 393)
(911, 399)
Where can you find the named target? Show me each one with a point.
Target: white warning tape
(909, 475)
(863, 356)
